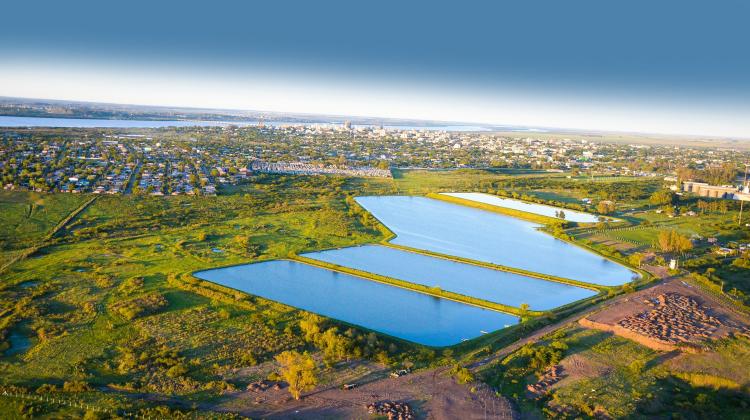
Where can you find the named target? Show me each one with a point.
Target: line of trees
(713, 206)
(673, 241)
(715, 175)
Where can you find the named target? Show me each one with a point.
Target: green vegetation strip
(70, 217)
(432, 291)
(499, 267)
(25, 253)
(646, 277)
(531, 217)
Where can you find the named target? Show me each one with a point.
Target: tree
(664, 241)
(605, 207)
(661, 197)
(561, 215)
(672, 241)
(682, 243)
(335, 347)
(720, 175)
(524, 307)
(462, 374)
(242, 241)
(298, 370)
(669, 210)
(310, 324)
(636, 259)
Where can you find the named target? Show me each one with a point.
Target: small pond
(541, 209)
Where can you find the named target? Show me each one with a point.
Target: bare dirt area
(672, 315)
(551, 376)
(540, 333)
(578, 367)
(621, 246)
(432, 394)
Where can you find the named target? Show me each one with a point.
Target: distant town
(198, 160)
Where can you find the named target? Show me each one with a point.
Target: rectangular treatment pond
(466, 279)
(391, 310)
(481, 235)
(540, 209)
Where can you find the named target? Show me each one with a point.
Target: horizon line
(550, 129)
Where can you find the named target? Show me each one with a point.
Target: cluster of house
(198, 158)
(423, 148)
(116, 181)
(731, 248)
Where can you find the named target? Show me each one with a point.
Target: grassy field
(721, 271)
(27, 217)
(104, 302)
(114, 320)
(552, 195)
(423, 181)
(612, 376)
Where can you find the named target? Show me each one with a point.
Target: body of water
(391, 310)
(19, 343)
(481, 235)
(8, 121)
(466, 279)
(541, 209)
(13, 121)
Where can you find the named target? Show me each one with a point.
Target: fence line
(74, 404)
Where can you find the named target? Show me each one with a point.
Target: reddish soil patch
(578, 367)
(549, 378)
(621, 246)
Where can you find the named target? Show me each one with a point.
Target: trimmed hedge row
(645, 275)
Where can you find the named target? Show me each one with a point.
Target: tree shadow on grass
(674, 397)
(585, 340)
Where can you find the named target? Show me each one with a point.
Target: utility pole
(742, 202)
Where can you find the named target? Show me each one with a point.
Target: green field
(616, 376)
(111, 312)
(27, 217)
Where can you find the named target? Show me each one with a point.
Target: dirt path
(432, 394)
(65, 221)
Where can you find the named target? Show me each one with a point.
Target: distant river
(8, 121)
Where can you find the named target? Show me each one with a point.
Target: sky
(678, 67)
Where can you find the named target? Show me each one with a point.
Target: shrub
(140, 306)
(177, 370)
(462, 374)
(76, 386)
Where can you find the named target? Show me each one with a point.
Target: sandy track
(432, 394)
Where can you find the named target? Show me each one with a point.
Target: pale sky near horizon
(674, 68)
